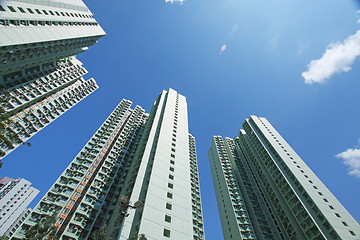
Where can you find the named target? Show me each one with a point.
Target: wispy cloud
(222, 49)
(351, 158)
(338, 57)
(175, 1)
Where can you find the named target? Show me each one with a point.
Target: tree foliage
(44, 229)
(100, 234)
(138, 237)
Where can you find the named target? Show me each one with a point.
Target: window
(345, 224)
(173, 149)
(38, 11)
(30, 11)
(331, 207)
(2, 9)
(167, 218)
(21, 9)
(166, 232)
(51, 12)
(325, 200)
(45, 12)
(172, 162)
(338, 215)
(352, 233)
(172, 155)
(11, 9)
(174, 139)
(169, 195)
(170, 185)
(62, 14)
(173, 144)
(171, 177)
(315, 187)
(57, 13)
(171, 169)
(168, 206)
(320, 193)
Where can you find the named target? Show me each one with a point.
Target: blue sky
(154, 45)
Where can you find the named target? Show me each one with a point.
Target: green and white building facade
(264, 190)
(40, 77)
(137, 175)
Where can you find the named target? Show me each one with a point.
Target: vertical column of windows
(312, 208)
(170, 187)
(115, 166)
(237, 203)
(198, 226)
(72, 191)
(285, 190)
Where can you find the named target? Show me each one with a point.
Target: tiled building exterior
(265, 190)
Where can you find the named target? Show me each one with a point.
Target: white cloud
(351, 158)
(222, 49)
(172, 1)
(338, 57)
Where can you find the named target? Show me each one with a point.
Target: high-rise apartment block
(17, 223)
(264, 190)
(40, 78)
(36, 33)
(137, 175)
(15, 196)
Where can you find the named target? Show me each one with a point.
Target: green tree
(138, 237)
(100, 234)
(3, 237)
(142, 237)
(44, 229)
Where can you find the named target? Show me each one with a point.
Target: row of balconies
(19, 22)
(50, 48)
